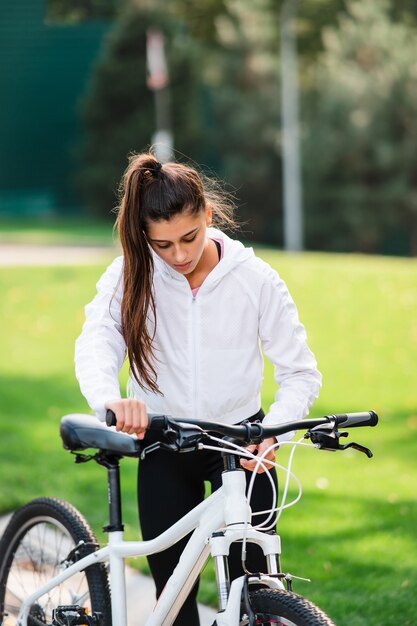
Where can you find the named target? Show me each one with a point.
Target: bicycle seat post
(111, 463)
(115, 529)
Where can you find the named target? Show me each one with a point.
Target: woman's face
(180, 241)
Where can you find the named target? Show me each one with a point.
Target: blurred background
(79, 94)
(308, 111)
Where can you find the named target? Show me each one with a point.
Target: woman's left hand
(250, 464)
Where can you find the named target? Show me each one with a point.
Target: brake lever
(159, 445)
(148, 449)
(328, 439)
(359, 448)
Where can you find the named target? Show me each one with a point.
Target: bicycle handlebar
(354, 420)
(251, 432)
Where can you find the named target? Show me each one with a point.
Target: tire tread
(76, 524)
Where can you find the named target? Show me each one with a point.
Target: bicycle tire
(38, 538)
(285, 608)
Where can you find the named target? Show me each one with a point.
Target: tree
(361, 132)
(75, 11)
(224, 95)
(243, 78)
(118, 108)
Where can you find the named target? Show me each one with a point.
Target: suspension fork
(220, 543)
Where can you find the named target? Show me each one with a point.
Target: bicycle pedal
(74, 615)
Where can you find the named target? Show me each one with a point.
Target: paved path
(141, 595)
(18, 255)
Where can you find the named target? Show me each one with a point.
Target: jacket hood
(234, 254)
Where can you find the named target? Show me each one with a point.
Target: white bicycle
(52, 570)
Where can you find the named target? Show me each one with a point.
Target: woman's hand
(131, 416)
(250, 464)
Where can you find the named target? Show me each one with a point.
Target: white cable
(239, 450)
(259, 460)
(283, 504)
(259, 463)
(242, 451)
(289, 474)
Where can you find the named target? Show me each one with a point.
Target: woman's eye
(165, 246)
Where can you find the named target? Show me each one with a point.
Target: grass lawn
(353, 532)
(51, 229)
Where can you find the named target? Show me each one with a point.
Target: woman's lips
(182, 266)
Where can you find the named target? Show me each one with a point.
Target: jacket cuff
(100, 408)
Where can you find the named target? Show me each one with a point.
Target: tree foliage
(224, 95)
(243, 78)
(361, 132)
(75, 11)
(118, 109)
(358, 103)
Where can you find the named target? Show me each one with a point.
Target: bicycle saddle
(80, 431)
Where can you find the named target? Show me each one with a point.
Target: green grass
(353, 532)
(53, 229)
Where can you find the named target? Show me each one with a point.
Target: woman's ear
(209, 215)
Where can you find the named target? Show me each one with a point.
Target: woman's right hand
(131, 416)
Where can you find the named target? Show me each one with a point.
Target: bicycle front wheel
(36, 546)
(284, 608)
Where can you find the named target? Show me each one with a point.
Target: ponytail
(138, 300)
(151, 191)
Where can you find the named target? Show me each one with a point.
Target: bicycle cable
(289, 474)
(238, 450)
(260, 462)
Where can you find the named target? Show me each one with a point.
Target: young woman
(192, 309)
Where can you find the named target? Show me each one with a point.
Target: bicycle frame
(222, 518)
(217, 522)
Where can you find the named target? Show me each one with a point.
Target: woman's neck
(206, 264)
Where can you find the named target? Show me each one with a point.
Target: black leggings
(169, 486)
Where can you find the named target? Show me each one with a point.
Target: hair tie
(156, 168)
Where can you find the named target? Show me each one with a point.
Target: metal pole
(292, 183)
(158, 80)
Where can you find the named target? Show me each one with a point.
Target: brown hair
(150, 191)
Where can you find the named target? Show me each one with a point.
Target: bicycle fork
(220, 543)
(238, 529)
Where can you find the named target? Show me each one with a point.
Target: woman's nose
(180, 255)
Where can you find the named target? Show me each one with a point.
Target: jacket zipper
(194, 357)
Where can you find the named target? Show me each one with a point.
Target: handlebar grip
(353, 420)
(156, 422)
(110, 418)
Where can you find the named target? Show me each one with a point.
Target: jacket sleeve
(284, 343)
(100, 350)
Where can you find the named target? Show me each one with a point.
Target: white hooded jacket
(209, 346)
